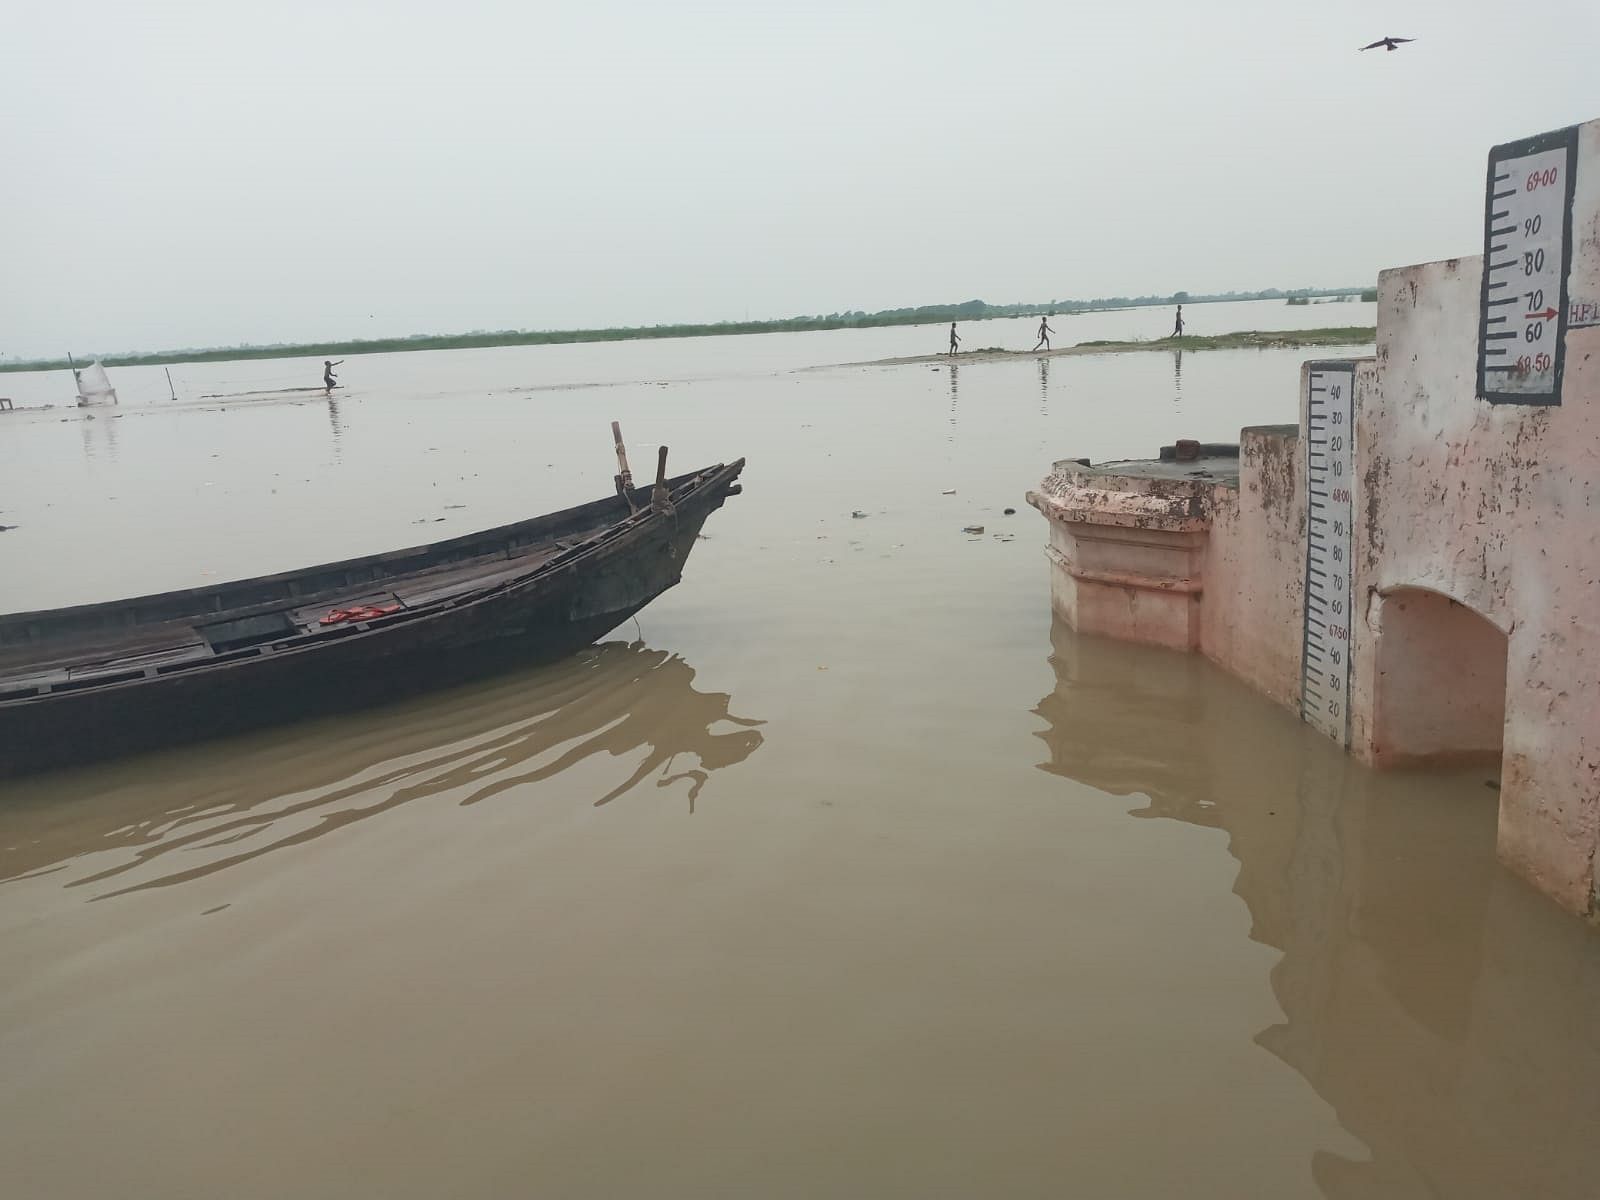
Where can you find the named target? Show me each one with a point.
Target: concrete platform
(1414, 567)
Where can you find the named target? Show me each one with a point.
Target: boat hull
(558, 608)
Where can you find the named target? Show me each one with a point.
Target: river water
(843, 871)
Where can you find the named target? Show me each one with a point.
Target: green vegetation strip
(971, 310)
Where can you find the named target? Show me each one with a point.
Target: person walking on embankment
(1044, 333)
(1177, 324)
(328, 380)
(954, 340)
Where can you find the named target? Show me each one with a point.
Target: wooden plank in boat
(136, 662)
(429, 591)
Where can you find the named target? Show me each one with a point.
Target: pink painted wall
(1250, 621)
(1497, 507)
(1126, 553)
(1439, 692)
(1475, 552)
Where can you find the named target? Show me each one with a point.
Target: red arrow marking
(1546, 315)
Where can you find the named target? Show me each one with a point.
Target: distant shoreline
(1246, 339)
(971, 311)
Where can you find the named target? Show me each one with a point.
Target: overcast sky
(221, 172)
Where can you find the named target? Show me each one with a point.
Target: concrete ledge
(1105, 507)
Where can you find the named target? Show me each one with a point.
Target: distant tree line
(970, 310)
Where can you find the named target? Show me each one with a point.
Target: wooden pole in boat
(624, 477)
(622, 452)
(659, 500)
(170, 388)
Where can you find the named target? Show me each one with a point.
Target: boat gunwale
(692, 485)
(499, 533)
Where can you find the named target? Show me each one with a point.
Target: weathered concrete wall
(1498, 508)
(1475, 548)
(1183, 556)
(1255, 565)
(1165, 614)
(1127, 552)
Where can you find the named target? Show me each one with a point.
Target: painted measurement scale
(1330, 464)
(1527, 251)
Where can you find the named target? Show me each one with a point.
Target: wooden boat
(106, 679)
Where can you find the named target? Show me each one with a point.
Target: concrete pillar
(1127, 544)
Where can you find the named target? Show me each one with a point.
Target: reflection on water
(143, 824)
(955, 396)
(336, 425)
(1044, 385)
(1177, 378)
(99, 433)
(1450, 1016)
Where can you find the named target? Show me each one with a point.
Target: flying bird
(1388, 43)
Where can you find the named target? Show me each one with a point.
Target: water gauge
(1330, 463)
(1527, 250)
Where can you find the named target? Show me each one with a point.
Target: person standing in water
(1044, 333)
(328, 380)
(954, 340)
(1177, 324)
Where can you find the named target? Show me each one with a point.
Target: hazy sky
(220, 172)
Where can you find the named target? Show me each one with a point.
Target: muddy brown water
(845, 871)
